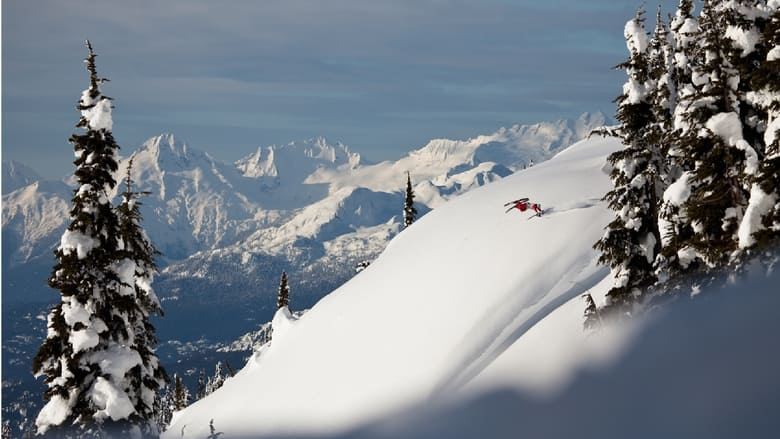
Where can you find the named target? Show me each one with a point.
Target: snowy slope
(467, 281)
(701, 368)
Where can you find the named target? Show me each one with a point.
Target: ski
(540, 213)
(521, 200)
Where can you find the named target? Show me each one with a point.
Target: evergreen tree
(715, 186)
(137, 301)
(684, 31)
(761, 224)
(230, 371)
(201, 391)
(662, 72)
(283, 298)
(410, 213)
(216, 381)
(592, 316)
(672, 222)
(631, 241)
(181, 395)
(163, 408)
(89, 359)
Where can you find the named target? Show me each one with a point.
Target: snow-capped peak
(296, 160)
(167, 150)
(16, 175)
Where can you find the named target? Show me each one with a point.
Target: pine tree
(230, 371)
(201, 391)
(283, 298)
(137, 301)
(672, 222)
(717, 195)
(163, 411)
(410, 213)
(89, 359)
(592, 315)
(181, 395)
(631, 241)
(761, 224)
(684, 31)
(217, 380)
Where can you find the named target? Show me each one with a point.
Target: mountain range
(227, 230)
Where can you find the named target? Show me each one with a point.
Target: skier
(523, 204)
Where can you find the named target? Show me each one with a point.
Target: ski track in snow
(514, 321)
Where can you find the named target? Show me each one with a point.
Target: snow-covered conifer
(283, 298)
(201, 390)
(672, 222)
(216, 381)
(410, 213)
(137, 301)
(89, 360)
(684, 29)
(592, 317)
(181, 395)
(631, 241)
(711, 195)
(163, 411)
(761, 224)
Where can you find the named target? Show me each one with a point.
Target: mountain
(312, 208)
(17, 175)
(469, 324)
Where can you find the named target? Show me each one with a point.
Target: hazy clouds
(381, 76)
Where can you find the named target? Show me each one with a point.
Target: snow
(772, 133)
(751, 157)
(99, 115)
(760, 204)
(727, 126)
(112, 402)
(773, 54)
(116, 361)
(636, 37)
(635, 91)
(648, 246)
(704, 368)
(448, 297)
(686, 255)
(74, 311)
(83, 339)
(744, 39)
(125, 270)
(678, 192)
(53, 413)
(75, 240)
(282, 322)
(538, 366)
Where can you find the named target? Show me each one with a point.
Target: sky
(382, 76)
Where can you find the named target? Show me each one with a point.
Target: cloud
(336, 63)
